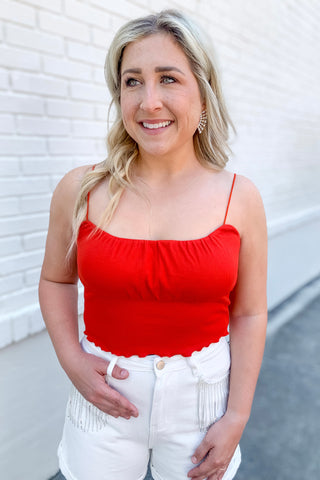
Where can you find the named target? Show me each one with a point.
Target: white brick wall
(20, 12)
(53, 109)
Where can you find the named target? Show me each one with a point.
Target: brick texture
(53, 111)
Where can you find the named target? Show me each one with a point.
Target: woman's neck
(159, 170)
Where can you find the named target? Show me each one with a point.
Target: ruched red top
(163, 297)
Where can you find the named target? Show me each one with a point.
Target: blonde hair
(211, 146)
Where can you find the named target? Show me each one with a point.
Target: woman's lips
(156, 125)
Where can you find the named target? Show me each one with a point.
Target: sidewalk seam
(291, 307)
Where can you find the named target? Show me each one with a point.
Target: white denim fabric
(178, 398)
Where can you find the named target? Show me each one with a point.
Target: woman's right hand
(88, 374)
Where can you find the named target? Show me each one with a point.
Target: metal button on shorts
(160, 365)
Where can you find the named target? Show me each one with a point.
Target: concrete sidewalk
(281, 441)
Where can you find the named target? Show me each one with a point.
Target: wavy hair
(211, 147)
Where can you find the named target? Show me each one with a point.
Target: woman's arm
(248, 312)
(58, 291)
(58, 296)
(248, 320)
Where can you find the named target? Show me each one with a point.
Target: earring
(202, 121)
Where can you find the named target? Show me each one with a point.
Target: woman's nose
(151, 99)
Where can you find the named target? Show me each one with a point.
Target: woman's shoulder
(247, 204)
(71, 181)
(246, 189)
(68, 188)
(252, 208)
(243, 189)
(70, 184)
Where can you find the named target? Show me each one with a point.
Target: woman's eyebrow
(168, 69)
(157, 69)
(132, 70)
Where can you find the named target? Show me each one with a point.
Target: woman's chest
(176, 216)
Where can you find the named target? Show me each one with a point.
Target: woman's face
(160, 98)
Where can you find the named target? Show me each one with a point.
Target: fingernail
(123, 373)
(194, 459)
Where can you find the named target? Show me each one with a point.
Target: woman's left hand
(217, 448)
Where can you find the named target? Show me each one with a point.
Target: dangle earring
(203, 121)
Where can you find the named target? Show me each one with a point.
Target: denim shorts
(178, 398)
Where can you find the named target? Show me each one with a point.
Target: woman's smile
(155, 127)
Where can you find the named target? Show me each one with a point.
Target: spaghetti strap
(88, 199)
(225, 217)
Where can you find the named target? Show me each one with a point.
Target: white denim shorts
(178, 398)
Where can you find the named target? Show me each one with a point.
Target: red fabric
(163, 297)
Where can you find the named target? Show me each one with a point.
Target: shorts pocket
(213, 374)
(212, 401)
(83, 414)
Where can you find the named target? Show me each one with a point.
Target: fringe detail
(213, 399)
(83, 414)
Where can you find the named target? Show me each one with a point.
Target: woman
(171, 249)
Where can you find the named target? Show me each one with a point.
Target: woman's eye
(131, 82)
(167, 79)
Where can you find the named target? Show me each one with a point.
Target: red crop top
(163, 297)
